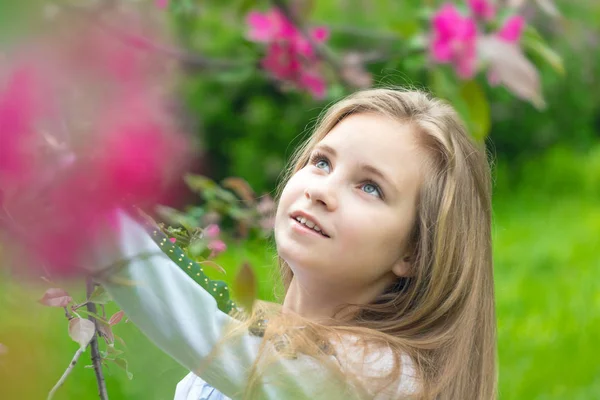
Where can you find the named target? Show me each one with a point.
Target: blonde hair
(442, 316)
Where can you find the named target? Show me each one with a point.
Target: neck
(318, 302)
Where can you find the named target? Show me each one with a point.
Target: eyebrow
(365, 167)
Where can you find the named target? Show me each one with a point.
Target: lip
(296, 214)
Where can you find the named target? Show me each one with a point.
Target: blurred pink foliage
(484, 9)
(290, 55)
(217, 247)
(212, 231)
(120, 148)
(455, 40)
(512, 29)
(162, 4)
(466, 43)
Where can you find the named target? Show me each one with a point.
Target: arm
(182, 319)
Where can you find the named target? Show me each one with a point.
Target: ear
(403, 267)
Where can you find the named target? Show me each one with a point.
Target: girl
(384, 243)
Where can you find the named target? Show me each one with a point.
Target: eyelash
(317, 157)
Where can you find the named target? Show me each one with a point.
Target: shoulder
(372, 365)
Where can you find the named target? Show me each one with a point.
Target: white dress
(182, 319)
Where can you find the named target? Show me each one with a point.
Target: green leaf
(100, 296)
(534, 44)
(244, 287)
(478, 109)
(112, 351)
(199, 183)
(121, 362)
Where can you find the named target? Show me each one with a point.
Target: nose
(323, 194)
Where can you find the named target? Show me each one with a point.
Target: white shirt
(182, 319)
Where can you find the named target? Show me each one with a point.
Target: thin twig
(322, 51)
(64, 376)
(192, 61)
(362, 32)
(96, 358)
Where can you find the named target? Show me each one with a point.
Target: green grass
(546, 244)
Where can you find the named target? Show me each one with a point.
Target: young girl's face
(356, 201)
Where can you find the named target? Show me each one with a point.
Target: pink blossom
(483, 9)
(289, 54)
(17, 113)
(173, 240)
(162, 4)
(270, 26)
(212, 231)
(512, 29)
(454, 40)
(217, 247)
(282, 61)
(124, 148)
(314, 83)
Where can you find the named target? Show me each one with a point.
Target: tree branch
(96, 358)
(64, 376)
(191, 61)
(322, 51)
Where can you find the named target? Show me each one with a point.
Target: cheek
(289, 196)
(376, 234)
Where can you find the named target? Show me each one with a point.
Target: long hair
(443, 315)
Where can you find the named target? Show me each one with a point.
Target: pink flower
(61, 198)
(512, 29)
(314, 83)
(290, 56)
(282, 61)
(270, 26)
(17, 114)
(173, 240)
(216, 247)
(483, 9)
(454, 40)
(162, 4)
(212, 231)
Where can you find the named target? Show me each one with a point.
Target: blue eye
(321, 164)
(320, 161)
(372, 189)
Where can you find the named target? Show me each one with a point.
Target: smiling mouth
(309, 225)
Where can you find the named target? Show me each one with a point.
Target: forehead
(387, 144)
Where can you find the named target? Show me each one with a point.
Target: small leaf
(112, 351)
(199, 183)
(534, 44)
(82, 331)
(478, 108)
(244, 287)
(240, 187)
(511, 68)
(106, 332)
(121, 362)
(116, 318)
(56, 298)
(99, 296)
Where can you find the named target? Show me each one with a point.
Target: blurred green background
(546, 197)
